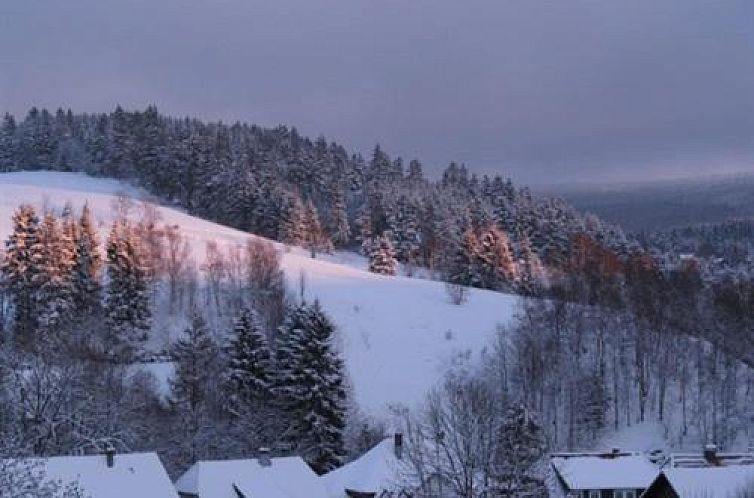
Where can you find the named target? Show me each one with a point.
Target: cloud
(541, 90)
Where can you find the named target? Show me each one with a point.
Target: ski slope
(398, 334)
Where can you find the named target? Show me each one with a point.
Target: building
(707, 482)
(602, 475)
(708, 474)
(264, 477)
(709, 457)
(381, 472)
(375, 474)
(109, 475)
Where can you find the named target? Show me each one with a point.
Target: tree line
(313, 193)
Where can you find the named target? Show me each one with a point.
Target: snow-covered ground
(398, 334)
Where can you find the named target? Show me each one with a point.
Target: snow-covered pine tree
(520, 445)
(531, 273)
(315, 238)
(293, 226)
(87, 284)
(249, 359)
(195, 355)
(496, 262)
(127, 304)
(365, 230)
(195, 387)
(338, 226)
(311, 385)
(382, 256)
(21, 267)
(464, 266)
(8, 152)
(54, 283)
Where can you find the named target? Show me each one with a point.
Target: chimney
(710, 453)
(264, 457)
(398, 444)
(110, 455)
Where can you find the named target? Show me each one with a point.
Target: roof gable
(288, 477)
(603, 471)
(133, 474)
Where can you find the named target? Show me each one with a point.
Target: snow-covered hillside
(397, 333)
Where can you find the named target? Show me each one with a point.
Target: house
(382, 472)
(264, 477)
(376, 474)
(614, 474)
(705, 482)
(709, 457)
(708, 474)
(110, 475)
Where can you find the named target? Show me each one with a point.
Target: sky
(541, 91)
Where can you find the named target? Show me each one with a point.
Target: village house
(263, 477)
(109, 475)
(707, 474)
(613, 474)
(381, 472)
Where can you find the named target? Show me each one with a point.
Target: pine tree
(294, 229)
(315, 238)
(249, 359)
(54, 283)
(22, 265)
(464, 267)
(195, 386)
(127, 312)
(195, 355)
(521, 444)
(87, 269)
(496, 263)
(311, 385)
(382, 256)
(8, 149)
(338, 227)
(531, 273)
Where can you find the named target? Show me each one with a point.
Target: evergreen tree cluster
(296, 384)
(53, 278)
(278, 184)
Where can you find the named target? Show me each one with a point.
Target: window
(625, 493)
(594, 493)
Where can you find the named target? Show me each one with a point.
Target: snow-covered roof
(697, 460)
(711, 482)
(625, 471)
(288, 477)
(378, 469)
(132, 474)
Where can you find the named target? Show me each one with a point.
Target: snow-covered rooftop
(697, 460)
(711, 482)
(378, 469)
(133, 474)
(625, 471)
(288, 477)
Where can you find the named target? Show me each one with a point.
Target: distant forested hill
(661, 205)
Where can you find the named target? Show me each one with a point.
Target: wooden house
(614, 474)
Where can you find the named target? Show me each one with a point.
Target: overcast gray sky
(544, 91)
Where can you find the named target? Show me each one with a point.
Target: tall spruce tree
(21, 268)
(249, 359)
(54, 282)
(87, 285)
(127, 304)
(311, 385)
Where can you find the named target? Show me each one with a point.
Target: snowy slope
(397, 333)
